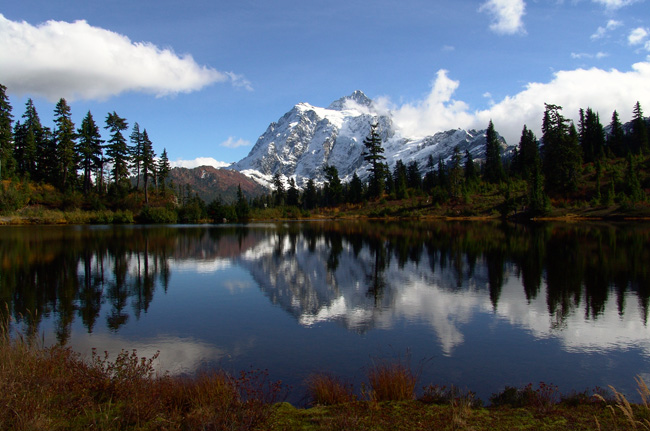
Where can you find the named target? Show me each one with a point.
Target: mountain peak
(357, 96)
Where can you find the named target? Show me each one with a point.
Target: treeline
(582, 165)
(75, 162)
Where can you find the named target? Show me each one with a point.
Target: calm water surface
(477, 305)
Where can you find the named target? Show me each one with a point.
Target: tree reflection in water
(75, 271)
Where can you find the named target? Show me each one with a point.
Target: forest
(587, 169)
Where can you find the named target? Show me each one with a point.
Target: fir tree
(309, 197)
(293, 195)
(413, 175)
(400, 180)
(374, 153)
(616, 137)
(355, 191)
(136, 151)
(65, 138)
(7, 161)
(471, 173)
(528, 154)
(592, 136)
(163, 170)
(493, 171)
(89, 149)
(148, 163)
(279, 192)
(632, 183)
(561, 153)
(639, 131)
(456, 174)
(241, 206)
(117, 149)
(333, 190)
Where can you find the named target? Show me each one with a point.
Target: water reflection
(576, 282)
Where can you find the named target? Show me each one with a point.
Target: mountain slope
(209, 183)
(307, 138)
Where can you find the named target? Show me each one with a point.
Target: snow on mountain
(308, 138)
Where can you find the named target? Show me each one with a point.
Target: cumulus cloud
(235, 143)
(602, 90)
(199, 161)
(437, 112)
(78, 61)
(506, 15)
(637, 36)
(601, 32)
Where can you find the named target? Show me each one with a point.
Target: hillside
(209, 183)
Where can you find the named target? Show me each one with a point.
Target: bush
(391, 381)
(327, 390)
(157, 215)
(123, 217)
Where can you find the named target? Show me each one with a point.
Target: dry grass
(327, 390)
(391, 381)
(636, 416)
(54, 388)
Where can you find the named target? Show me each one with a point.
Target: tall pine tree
(148, 164)
(65, 137)
(7, 162)
(374, 153)
(493, 170)
(117, 150)
(89, 149)
(561, 152)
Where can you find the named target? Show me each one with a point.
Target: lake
(479, 305)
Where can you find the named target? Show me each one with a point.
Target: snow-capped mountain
(307, 138)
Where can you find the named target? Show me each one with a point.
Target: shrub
(391, 381)
(157, 215)
(324, 389)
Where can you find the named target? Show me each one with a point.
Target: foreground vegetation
(54, 388)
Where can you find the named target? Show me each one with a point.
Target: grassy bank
(56, 389)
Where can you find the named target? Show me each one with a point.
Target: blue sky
(205, 78)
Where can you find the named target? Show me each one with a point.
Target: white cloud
(506, 15)
(602, 31)
(615, 4)
(78, 61)
(583, 55)
(437, 112)
(602, 90)
(235, 143)
(637, 36)
(199, 161)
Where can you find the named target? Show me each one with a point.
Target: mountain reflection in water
(584, 286)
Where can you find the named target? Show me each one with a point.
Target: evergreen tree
(561, 152)
(163, 170)
(639, 131)
(471, 173)
(493, 171)
(616, 137)
(442, 173)
(148, 163)
(309, 196)
(528, 154)
(65, 138)
(293, 195)
(136, 151)
(279, 192)
(355, 191)
(374, 153)
(456, 174)
(592, 136)
(89, 149)
(632, 183)
(117, 149)
(333, 190)
(413, 175)
(400, 180)
(28, 137)
(7, 161)
(241, 206)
